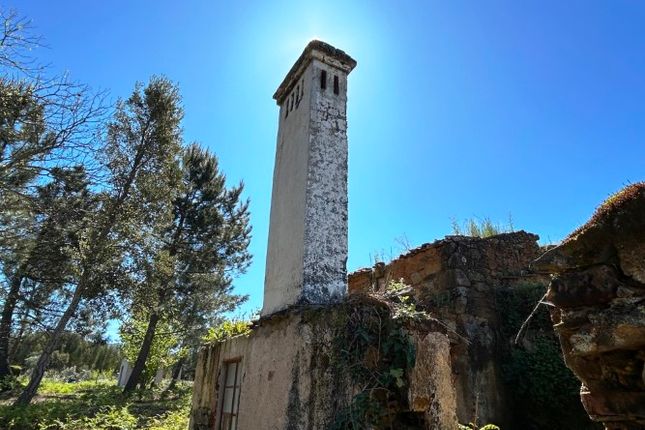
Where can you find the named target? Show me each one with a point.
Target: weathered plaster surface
(284, 266)
(307, 251)
(292, 378)
(284, 386)
(325, 256)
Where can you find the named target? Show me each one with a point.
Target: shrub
(227, 330)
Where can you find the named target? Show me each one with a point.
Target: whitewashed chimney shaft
(307, 251)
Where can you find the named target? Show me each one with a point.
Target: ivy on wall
(546, 391)
(376, 352)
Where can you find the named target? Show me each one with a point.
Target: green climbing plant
(377, 352)
(546, 391)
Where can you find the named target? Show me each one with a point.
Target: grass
(97, 405)
(481, 227)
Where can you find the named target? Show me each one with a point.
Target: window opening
(231, 398)
(323, 79)
(336, 89)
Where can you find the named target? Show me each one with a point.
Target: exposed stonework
(431, 389)
(307, 251)
(455, 279)
(598, 290)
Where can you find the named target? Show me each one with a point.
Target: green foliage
(163, 351)
(398, 293)
(98, 405)
(187, 275)
(480, 227)
(227, 330)
(109, 418)
(377, 352)
(101, 216)
(82, 353)
(546, 391)
(474, 427)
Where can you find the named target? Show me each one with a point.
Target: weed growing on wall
(377, 352)
(227, 330)
(474, 427)
(481, 227)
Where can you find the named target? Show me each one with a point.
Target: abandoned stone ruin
(438, 336)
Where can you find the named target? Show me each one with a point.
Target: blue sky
(456, 108)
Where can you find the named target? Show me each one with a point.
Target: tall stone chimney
(307, 251)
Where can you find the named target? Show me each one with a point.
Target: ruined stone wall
(313, 369)
(598, 290)
(457, 280)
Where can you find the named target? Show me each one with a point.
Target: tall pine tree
(141, 153)
(201, 248)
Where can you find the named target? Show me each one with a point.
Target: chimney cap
(316, 49)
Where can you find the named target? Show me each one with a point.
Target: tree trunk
(17, 339)
(140, 364)
(5, 324)
(51, 345)
(176, 371)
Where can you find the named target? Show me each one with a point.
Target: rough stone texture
(291, 380)
(455, 279)
(431, 390)
(598, 290)
(307, 251)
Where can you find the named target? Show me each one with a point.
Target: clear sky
(456, 108)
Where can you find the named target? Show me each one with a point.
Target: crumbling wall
(459, 280)
(331, 366)
(598, 290)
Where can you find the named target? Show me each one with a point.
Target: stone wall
(598, 290)
(456, 280)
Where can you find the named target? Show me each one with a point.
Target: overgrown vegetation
(98, 405)
(481, 227)
(377, 352)
(106, 213)
(226, 330)
(474, 427)
(545, 390)
(76, 353)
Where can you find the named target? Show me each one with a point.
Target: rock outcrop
(598, 296)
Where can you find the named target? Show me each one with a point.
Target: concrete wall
(280, 389)
(284, 269)
(125, 370)
(291, 378)
(325, 255)
(307, 251)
